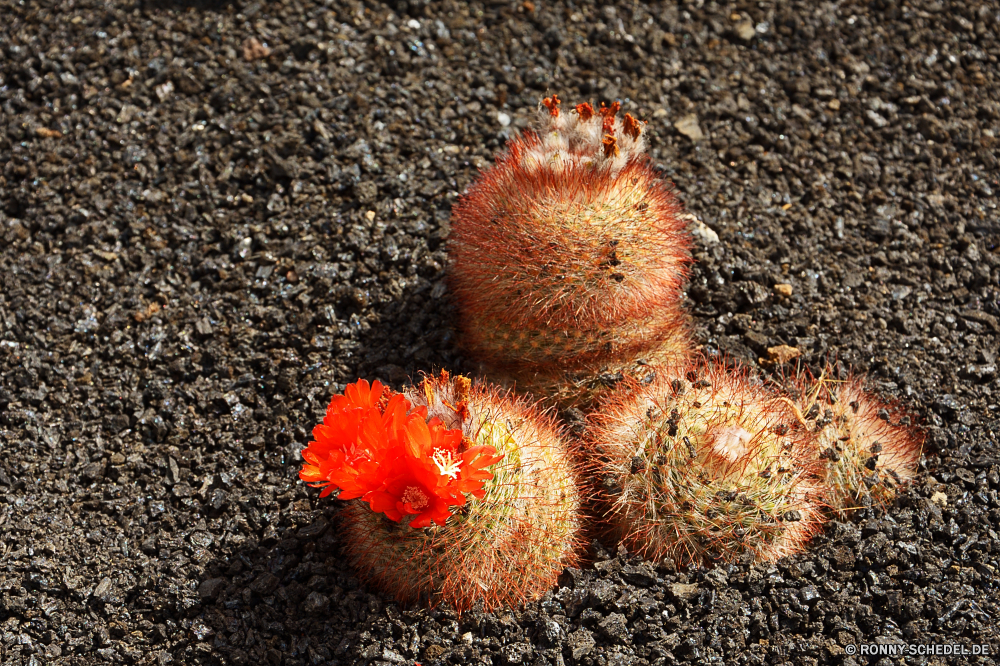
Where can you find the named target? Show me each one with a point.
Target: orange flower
(372, 445)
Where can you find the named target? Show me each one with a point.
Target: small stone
(783, 289)
(433, 651)
(745, 30)
(717, 578)
(47, 133)
(264, 584)
(877, 120)
(503, 119)
(313, 530)
(581, 643)
(203, 326)
(833, 105)
(516, 653)
(688, 126)
(104, 590)
(615, 628)
(641, 575)
(165, 91)
(201, 539)
(684, 591)
(780, 354)
(704, 233)
(188, 85)
(549, 631)
(211, 588)
(808, 593)
(940, 499)
(92, 471)
(254, 50)
(149, 545)
(316, 603)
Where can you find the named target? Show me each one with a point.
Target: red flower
(372, 445)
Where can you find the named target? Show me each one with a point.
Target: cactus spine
(569, 256)
(867, 448)
(701, 465)
(503, 549)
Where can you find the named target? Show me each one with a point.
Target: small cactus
(570, 254)
(867, 448)
(703, 466)
(508, 542)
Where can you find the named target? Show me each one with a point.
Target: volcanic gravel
(216, 215)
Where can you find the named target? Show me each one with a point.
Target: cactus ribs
(568, 258)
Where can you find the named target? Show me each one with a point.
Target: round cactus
(867, 448)
(702, 465)
(509, 541)
(570, 252)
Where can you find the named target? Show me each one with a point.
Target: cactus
(702, 465)
(569, 254)
(584, 385)
(505, 545)
(867, 448)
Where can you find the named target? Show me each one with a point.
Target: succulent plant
(509, 540)
(569, 255)
(704, 465)
(867, 448)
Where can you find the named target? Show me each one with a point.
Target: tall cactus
(569, 256)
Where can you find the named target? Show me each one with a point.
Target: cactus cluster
(702, 465)
(508, 542)
(568, 258)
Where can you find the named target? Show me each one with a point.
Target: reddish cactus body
(503, 549)
(569, 253)
(701, 465)
(867, 448)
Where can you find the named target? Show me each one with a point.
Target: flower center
(445, 464)
(415, 497)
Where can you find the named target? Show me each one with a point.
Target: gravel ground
(214, 215)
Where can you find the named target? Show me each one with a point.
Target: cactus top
(571, 230)
(584, 137)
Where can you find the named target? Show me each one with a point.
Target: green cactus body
(700, 465)
(867, 448)
(502, 550)
(570, 253)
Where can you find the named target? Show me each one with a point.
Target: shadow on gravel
(198, 5)
(413, 333)
(294, 580)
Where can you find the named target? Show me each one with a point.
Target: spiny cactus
(702, 465)
(569, 253)
(583, 385)
(867, 448)
(506, 544)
